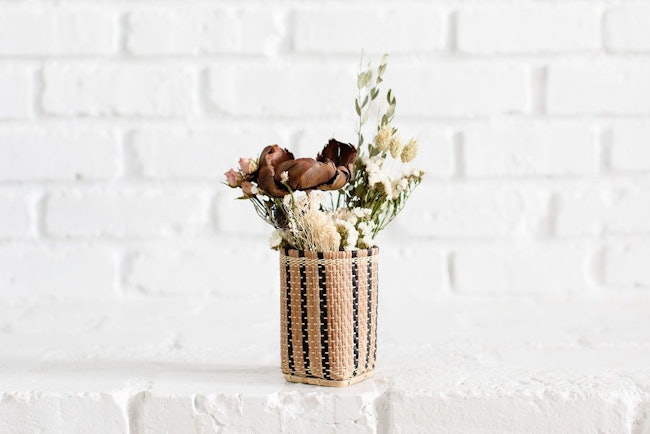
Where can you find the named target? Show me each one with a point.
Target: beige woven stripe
(337, 262)
(296, 320)
(339, 292)
(313, 322)
(373, 334)
(284, 347)
(363, 314)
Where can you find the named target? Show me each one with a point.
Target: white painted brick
(626, 28)
(129, 213)
(39, 271)
(55, 413)
(198, 269)
(285, 411)
(238, 217)
(604, 208)
(549, 412)
(199, 31)
(14, 216)
(627, 265)
(308, 139)
(436, 153)
(599, 87)
(15, 92)
(522, 29)
(458, 89)
(198, 153)
(519, 149)
(350, 29)
(474, 210)
(124, 90)
(527, 268)
(63, 153)
(57, 31)
(168, 414)
(297, 89)
(630, 149)
(400, 257)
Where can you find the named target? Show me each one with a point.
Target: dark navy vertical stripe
(369, 288)
(355, 310)
(289, 332)
(303, 316)
(322, 305)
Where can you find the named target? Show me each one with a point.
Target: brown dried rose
(270, 158)
(331, 169)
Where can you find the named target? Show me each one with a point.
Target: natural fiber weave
(328, 315)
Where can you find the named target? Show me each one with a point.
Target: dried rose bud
(234, 178)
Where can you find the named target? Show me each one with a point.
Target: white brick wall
(540, 28)
(117, 120)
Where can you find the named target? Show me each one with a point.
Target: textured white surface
(548, 365)
(136, 294)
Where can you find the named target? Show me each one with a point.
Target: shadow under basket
(328, 316)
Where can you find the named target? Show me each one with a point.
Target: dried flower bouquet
(341, 199)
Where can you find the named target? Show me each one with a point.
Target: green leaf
(391, 111)
(360, 79)
(373, 93)
(388, 96)
(365, 101)
(363, 79)
(356, 107)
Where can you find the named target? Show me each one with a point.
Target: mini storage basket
(328, 315)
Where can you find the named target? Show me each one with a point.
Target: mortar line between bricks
(184, 184)
(248, 120)
(40, 230)
(605, 144)
(123, 29)
(106, 241)
(335, 59)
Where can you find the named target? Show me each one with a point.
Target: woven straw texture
(328, 315)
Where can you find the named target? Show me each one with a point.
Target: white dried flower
(284, 177)
(410, 151)
(362, 212)
(383, 137)
(365, 234)
(275, 241)
(396, 146)
(349, 235)
(316, 199)
(322, 231)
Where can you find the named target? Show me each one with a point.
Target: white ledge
(447, 365)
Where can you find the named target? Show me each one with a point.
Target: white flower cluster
(309, 227)
(355, 227)
(380, 181)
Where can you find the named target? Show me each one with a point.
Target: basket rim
(371, 251)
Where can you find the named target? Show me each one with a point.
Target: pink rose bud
(247, 165)
(233, 178)
(247, 188)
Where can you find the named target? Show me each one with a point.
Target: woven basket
(328, 316)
